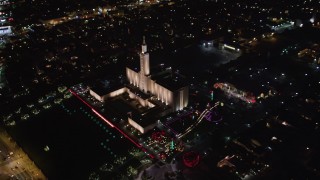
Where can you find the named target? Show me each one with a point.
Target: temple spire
(144, 45)
(144, 40)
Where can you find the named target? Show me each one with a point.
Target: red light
(104, 119)
(75, 94)
(191, 159)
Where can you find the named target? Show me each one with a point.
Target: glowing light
(198, 121)
(312, 20)
(229, 47)
(211, 95)
(191, 159)
(172, 145)
(102, 118)
(231, 90)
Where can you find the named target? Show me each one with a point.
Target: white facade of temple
(142, 79)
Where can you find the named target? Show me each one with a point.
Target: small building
(142, 123)
(102, 90)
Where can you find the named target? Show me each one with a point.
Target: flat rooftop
(159, 69)
(143, 116)
(138, 92)
(103, 87)
(148, 117)
(172, 81)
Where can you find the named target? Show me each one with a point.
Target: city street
(14, 163)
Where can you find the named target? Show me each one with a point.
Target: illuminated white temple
(164, 85)
(155, 93)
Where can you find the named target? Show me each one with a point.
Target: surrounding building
(279, 25)
(6, 17)
(310, 54)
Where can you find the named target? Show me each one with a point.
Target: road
(14, 163)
